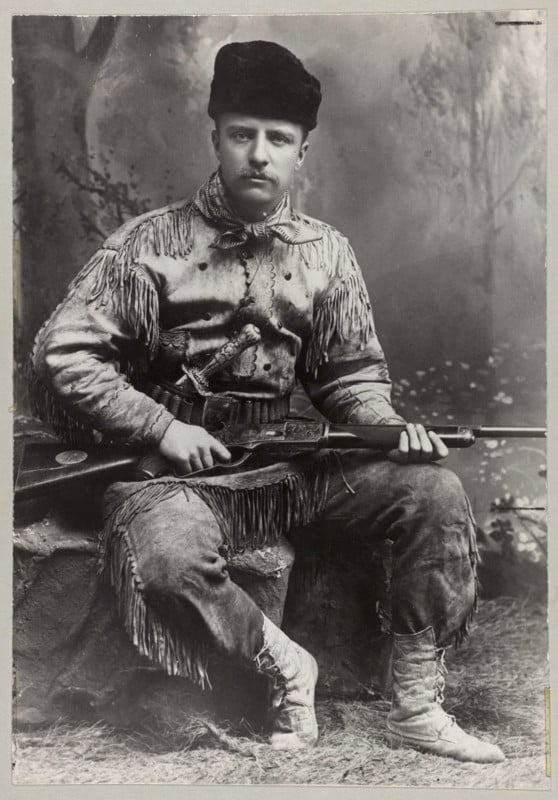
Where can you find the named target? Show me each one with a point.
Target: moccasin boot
(416, 718)
(294, 672)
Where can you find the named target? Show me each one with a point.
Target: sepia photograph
(279, 430)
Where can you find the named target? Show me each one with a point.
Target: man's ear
(302, 153)
(215, 141)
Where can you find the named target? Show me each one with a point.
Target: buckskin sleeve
(108, 318)
(343, 368)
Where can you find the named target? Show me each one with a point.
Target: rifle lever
(217, 469)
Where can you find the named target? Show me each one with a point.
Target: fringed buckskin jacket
(171, 288)
(174, 285)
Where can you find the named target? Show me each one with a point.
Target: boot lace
(440, 682)
(441, 672)
(264, 662)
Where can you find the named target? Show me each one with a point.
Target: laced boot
(294, 672)
(416, 718)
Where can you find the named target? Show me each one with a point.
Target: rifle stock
(44, 467)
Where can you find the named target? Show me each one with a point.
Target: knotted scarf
(212, 201)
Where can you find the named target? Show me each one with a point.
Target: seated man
(238, 267)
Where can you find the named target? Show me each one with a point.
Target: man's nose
(258, 153)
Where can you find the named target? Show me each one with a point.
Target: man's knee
(439, 483)
(436, 491)
(183, 571)
(178, 548)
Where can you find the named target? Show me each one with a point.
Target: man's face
(258, 158)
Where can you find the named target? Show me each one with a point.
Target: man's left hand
(417, 446)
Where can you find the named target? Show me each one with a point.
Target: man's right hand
(191, 448)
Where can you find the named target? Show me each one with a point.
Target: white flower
(503, 398)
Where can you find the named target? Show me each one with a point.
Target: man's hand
(191, 448)
(416, 445)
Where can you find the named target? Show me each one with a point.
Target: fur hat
(266, 80)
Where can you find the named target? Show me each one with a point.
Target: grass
(495, 688)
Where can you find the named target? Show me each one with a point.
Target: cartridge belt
(218, 409)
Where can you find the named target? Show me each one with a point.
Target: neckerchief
(212, 202)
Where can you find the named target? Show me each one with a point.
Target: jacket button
(267, 367)
(202, 266)
(279, 325)
(207, 315)
(288, 276)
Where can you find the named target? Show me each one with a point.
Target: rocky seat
(73, 657)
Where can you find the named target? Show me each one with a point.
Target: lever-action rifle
(46, 466)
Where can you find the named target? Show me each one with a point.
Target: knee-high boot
(294, 672)
(417, 718)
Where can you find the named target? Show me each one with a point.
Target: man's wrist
(162, 420)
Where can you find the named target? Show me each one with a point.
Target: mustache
(250, 173)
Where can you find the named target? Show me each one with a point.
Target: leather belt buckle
(216, 411)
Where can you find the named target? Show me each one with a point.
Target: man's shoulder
(157, 217)
(319, 225)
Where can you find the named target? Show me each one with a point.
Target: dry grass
(495, 688)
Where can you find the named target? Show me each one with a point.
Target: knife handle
(249, 335)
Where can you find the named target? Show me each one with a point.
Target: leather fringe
(320, 254)
(126, 287)
(474, 557)
(345, 313)
(249, 516)
(133, 297)
(146, 497)
(50, 410)
(121, 282)
(153, 638)
(168, 232)
(253, 517)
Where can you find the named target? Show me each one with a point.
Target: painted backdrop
(429, 155)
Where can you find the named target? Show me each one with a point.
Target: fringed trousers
(168, 559)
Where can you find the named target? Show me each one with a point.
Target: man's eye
(239, 136)
(278, 139)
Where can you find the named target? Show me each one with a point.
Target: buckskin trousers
(175, 565)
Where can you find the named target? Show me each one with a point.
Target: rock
(264, 575)
(332, 610)
(29, 717)
(73, 657)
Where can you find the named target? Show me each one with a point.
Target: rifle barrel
(490, 432)
(454, 436)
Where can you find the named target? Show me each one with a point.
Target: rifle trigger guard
(216, 469)
(239, 461)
